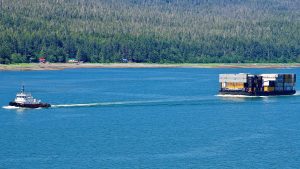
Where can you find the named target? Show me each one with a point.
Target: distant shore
(61, 66)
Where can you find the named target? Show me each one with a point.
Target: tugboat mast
(23, 89)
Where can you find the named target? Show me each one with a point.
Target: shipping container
(268, 79)
(280, 76)
(269, 89)
(289, 84)
(279, 80)
(279, 84)
(272, 83)
(266, 83)
(289, 81)
(279, 88)
(237, 78)
(288, 88)
(235, 85)
(269, 76)
(288, 76)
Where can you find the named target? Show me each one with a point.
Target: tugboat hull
(40, 105)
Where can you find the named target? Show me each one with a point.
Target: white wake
(10, 107)
(125, 103)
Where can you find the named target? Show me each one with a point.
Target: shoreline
(62, 66)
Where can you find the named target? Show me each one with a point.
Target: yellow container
(268, 89)
(235, 85)
(240, 85)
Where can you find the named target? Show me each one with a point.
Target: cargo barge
(257, 85)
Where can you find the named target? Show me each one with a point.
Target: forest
(150, 31)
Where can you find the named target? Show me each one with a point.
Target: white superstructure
(26, 98)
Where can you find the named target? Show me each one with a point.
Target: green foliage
(160, 31)
(18, 58)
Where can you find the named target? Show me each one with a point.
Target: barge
(257, 84)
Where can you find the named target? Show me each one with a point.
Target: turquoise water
(145, 118)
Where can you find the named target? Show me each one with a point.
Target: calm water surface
(145, 118)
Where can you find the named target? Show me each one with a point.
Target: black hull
(275, 93)
(40, 105)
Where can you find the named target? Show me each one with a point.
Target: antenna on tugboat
(22, 87)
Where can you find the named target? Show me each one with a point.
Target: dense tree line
(154, 31)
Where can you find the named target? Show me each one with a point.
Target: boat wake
(297, 93)
(10, 107)
(93, 104)
(130, 103)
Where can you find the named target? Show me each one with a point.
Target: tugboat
(25, 100)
